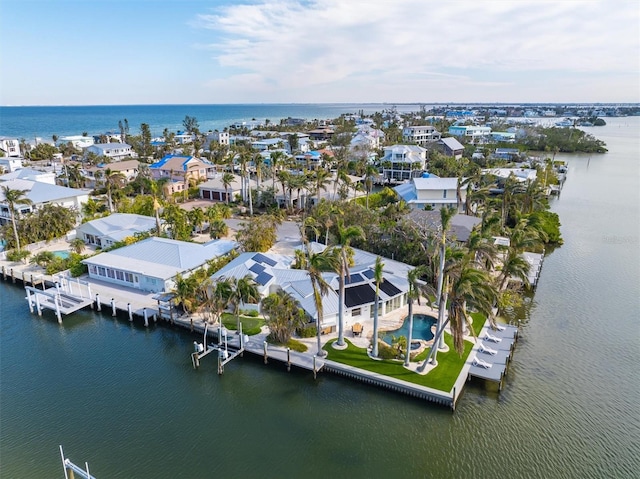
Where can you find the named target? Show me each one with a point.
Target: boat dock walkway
(489, 359)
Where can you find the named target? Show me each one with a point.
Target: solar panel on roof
(368, 274)
(257, 268)
(389, 288)
(263, 278)
(260, 258)
(358, 295)
(353, 278)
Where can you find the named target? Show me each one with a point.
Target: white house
(221, 137)
(432, 191)
(10, 147)
(78, 141)
(520, 174)
(273, 272)
(470, 132)
(10, 163)
(403, 162)
(30, 174)
(152, 264)
(40, 194)
(115, 151)
(104, 232)
(420, 135)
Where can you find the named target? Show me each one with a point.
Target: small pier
(491, 355)
(56, 300)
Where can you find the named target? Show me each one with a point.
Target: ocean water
(46, 121)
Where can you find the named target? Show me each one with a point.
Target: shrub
(307, 331)
(18, 255)
(386, 352)
(251, 313)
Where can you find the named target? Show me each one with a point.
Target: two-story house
(114, 151)
(180, 171)
(420, 135)
(403, 162)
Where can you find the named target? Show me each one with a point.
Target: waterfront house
(520, 174)
(451, 147)
(432, 192)
(104, 232)
(78, 141)
(403, 162)
(113, 151)
(180, 171)
(420, 135)
(460, 227)
(10, 147)
(273, 272)
(41, 193)
(152, 264)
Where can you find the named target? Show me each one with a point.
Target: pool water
(61, 254)
(421, 329)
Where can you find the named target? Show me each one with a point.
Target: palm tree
(113, 179)
(377, 277)
(327, 260)
(275, 159)
(321, 179)
(197, 217)
(185, 294)
(514, 266)
(416, 289)
(156, 189)
(12, 198)
(344, 237)
(245, 290)
(370, 173)
(227, 179)
(446, 214)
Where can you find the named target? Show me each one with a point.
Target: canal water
(126, 399)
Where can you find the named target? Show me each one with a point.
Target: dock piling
(98, 305)
(129, 311)
(288, 359)
(315, 369)
(113, 307)
(265, 351)
(146, 317)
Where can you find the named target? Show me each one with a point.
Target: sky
(117, 52)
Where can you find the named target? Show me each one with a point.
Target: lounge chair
(486, 350)
(500, 328)
(493, 339)
(480, 363)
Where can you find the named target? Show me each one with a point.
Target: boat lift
(70, 469)
(225, 353)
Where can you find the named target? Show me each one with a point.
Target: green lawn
(250, 326)
(442, 378)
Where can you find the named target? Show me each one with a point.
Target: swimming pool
(61, 254)
(421, 329)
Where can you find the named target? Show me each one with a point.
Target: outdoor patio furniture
(487, 350)
(357, 329)
(493, 339)
(480, 363)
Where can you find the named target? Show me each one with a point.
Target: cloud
(405, 50)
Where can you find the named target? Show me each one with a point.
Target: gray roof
(110, 146)
(452, 143)
(162, 257)
(26, 174)
(118, 225)
(39, 192)
(461, 225)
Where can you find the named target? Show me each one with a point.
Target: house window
(92, 269)
(111, 274)
(102, 271)
(444, 193)
(128, 277)
(356, 312)
(120, 275)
